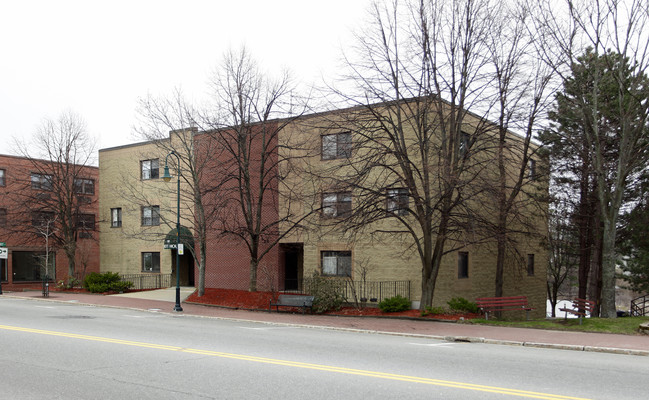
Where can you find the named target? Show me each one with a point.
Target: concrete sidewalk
(163, 301)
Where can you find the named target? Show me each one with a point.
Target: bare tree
(615, 32)
(522, 83)
(254, 151)
(563, 246)
(421, 137)
(45, 229)
(61, 184)
(173, 125)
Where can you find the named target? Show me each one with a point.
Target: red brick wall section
(15, 233)
(228, 257)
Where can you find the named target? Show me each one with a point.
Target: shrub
(394, 304)
(101, 283)
(326, 295)
(70, 284)
(432, 310)
(463, 305)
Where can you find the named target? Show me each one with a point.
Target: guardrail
(148, 281)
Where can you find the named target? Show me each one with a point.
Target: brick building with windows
(138, 216)
(137, 213)
(34, 199)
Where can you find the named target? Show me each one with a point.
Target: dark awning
(186, 238)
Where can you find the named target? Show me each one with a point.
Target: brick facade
(300, 253)
(22, 197)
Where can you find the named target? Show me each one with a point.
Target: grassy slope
(627, 325)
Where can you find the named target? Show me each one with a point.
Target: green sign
(3, 244)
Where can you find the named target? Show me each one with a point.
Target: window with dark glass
(465, 144)
(150, 169)
(397, 201)
(3, 174)
(531, 169)
(336, 205)
(337, 263)
(41, 181)
(115, 217)
(150, 215)
(84, 186)
(86, 222)
(151, 262)
(462, 264)
(338, 145)
(29, 266)
(42, 218)
(530, 265)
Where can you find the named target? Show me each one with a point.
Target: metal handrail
(363, 291)
(640, 306)
(148, 281)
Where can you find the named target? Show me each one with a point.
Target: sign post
(4, 254)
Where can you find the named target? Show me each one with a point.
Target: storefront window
(30, 266)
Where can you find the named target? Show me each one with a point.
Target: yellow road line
(297, 364)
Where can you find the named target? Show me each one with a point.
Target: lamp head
(166, 176)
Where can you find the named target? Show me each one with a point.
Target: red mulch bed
(243, 299)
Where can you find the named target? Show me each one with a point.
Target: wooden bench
(512, 303)
(292, 300)
(580, 308)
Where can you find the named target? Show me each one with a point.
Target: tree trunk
(431, 262)
(595, 280)
(607, 309)
(553, 291)
(585, 234)
(201, 271)
(501, 228)
(500, 266)
(253, 274)
(70, 252)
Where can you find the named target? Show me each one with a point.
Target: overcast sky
(98, 58)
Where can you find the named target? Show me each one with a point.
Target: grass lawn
(625, 325)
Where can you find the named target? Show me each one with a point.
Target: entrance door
(186, 269)
(293, 254)
(290, 277)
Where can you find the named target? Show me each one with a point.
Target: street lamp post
(167, 177)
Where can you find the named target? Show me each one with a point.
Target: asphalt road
(68, 351)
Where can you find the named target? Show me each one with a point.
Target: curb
(452, 339)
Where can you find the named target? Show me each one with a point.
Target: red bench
(512, 303)
(580, 308)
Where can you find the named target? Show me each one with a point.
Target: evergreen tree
(601, 104)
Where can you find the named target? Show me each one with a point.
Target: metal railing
(640, 306)
(148, 281)
(363, 291)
